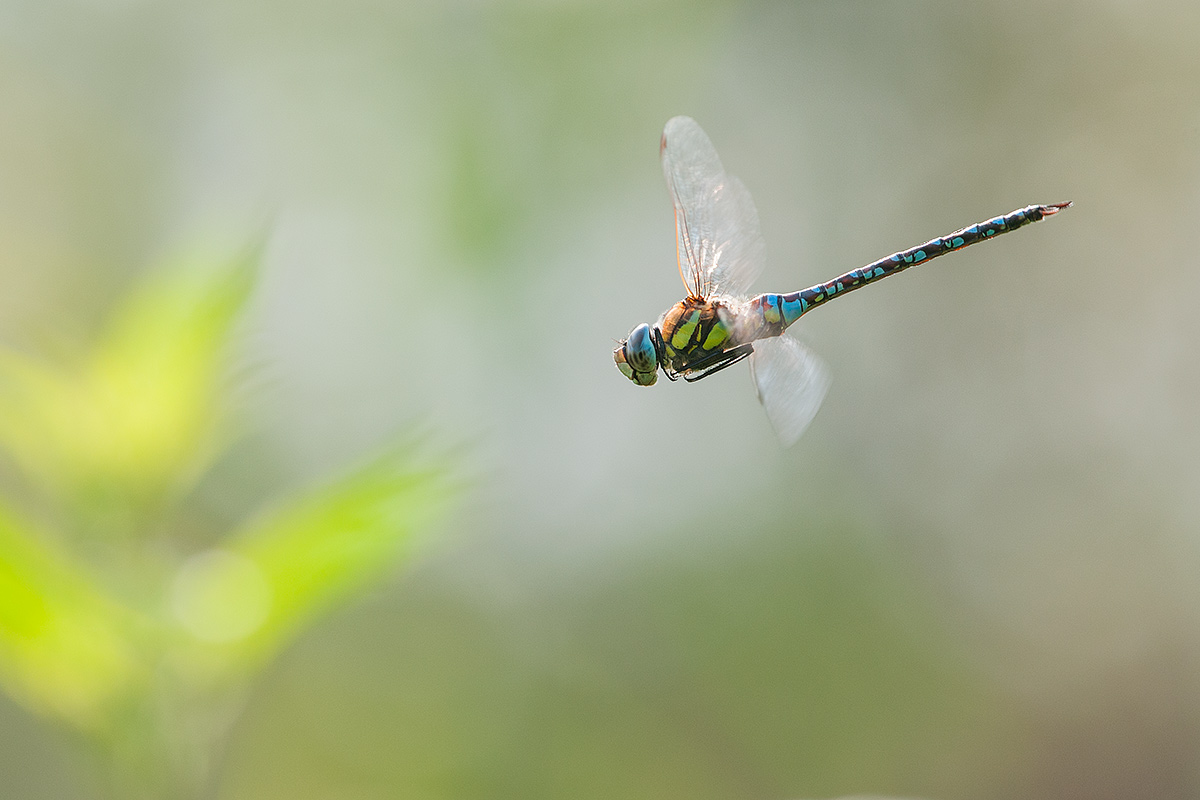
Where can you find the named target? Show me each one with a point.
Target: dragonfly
(720, 253)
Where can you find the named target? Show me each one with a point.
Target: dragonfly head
(639, 355)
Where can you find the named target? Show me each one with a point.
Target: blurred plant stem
(146, 655)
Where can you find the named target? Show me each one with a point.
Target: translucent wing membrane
(716, 224)
(791, 381)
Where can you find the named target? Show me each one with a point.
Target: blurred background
(976, 576)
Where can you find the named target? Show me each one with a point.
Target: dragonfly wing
(791, 381)
(716, 224)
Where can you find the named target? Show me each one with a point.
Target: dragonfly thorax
(693, 329)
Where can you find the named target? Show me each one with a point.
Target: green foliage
(135, 415)
(99, 628)
(67, 648)
(240, 602)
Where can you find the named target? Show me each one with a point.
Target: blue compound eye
(639, 350)
(637, 357)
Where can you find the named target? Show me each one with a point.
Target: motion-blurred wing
(791, 381)
(716, 224)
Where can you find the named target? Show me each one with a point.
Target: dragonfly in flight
(720, 253)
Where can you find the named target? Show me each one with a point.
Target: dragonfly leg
(715, 362)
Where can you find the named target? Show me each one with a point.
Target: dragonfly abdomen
(768, 315)
(780, 310)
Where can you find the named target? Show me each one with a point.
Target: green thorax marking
(691, 329)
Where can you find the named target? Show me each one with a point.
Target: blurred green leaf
(150, 671)
(135, 417)
(239, 603)
(66, 648)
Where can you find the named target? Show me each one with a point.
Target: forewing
(791, 381)
(716, 225)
